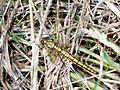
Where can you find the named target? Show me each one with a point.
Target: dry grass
(88, 29)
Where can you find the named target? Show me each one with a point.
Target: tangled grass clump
(87, 29)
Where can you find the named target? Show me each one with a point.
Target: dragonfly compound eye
(50, 44)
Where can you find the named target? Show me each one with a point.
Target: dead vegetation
(87, 29)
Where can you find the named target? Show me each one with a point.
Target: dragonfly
(51, 45)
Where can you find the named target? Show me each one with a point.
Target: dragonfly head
(49, 43)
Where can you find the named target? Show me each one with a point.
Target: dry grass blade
(112, 7)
